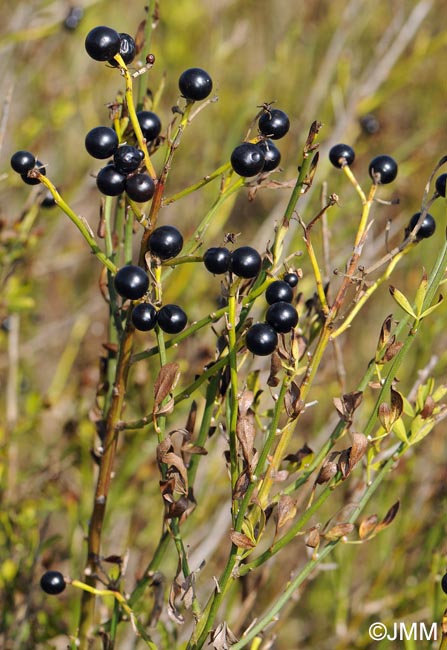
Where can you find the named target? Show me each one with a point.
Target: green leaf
(420, 429)
(432, 308)
(421, 293)
(402, 301)
(400, 431)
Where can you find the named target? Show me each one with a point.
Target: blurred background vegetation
(374, 75)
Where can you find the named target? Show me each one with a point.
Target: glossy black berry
(426, 229)
(383, 169)
(110, 181)
(282, 316)
(48, 200)
(440, 184)
(140, 187)
(291, 279)
(261, 339)
(131, 282)
(247, 159)
(245, 262)
(272, 155)
(127, 50)
(341, 155)
(101, 142)
(34, 181)
(22, 161)
(217, 260)
(52, 582)
(165, 242)
(144, 316)
(444, 583)
(102, 43)
(274, 124)
(195, 84)
(278, 291)
(127, 158)
(172, 319)
(150, 124)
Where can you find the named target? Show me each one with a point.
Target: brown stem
(103, 483)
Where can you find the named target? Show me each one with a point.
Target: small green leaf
(402, 301)
(433, 307)
(420, 428)
(421, 293)
(400, 431)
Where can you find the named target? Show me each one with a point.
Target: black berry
(140, 187)
(370, 124)
(144, 316)
(127, 158)
(426, 229)
(341, 155)
(73, 18)
(131, 282)
(247, 159)
(150, 124)
(34, 181)
(278, 291)
(291, 279)
(48, 200)
(444, 583)
(383, 169)
(102, 43)
(110, 181)
(195, 84)
(245, 262)
(101, 142)
(53, 582)
(22, 161)
(127, 50)
(272, 155)
(282, 316)
(217, 260)
(165, 242)
(441, 184)
(274, 124)
(261, 339)
(172, 319)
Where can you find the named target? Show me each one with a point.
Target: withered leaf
(368, 526)
(241, 485)
(140, 37)
(358, 449)
(348, 404)
(190, 448)
(275, 367)
(177, 508)
(328, 469)
(397, 404)
(343, 463)
(173, 613)
(279, 475)
(385, 416)
(389, 517)
(312, 538)
(392, 350)
(240, 540)
(191, 421)
(114, 559)
(428, 409)
(245, 431)
(172, 460)
(385, 331)
(165, 382)
(245, 401)
(285, 511)
(292, 402)
(337, 531)
(222, 637)
(299, 455)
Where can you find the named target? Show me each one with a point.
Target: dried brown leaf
(245, 401)
(173, 612)
(222, 637)
(312, 538)
(172, 460)
(368, 526)
(397, 404)
(285, 511)
(192, 416)
(190, 448)
(241, 485)
(246, 431)
(275, 367)
(165, 382)
(385, 416)
(278, 476)
(392, 350)
(428, 409)
(389, 517)
(358, 449)
(343, 463)
(328, 469)
(292, 402)
(337, 531)
(240, 540)
(299, 455)
(385, 331)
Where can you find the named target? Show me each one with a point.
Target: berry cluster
(23, 162)
(245, 262)
(248, 158)
(281, 317)
(132, 283)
